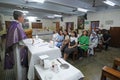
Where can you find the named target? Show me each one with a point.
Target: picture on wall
(80, 22)
(26, 24)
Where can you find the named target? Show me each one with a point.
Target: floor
(90, 66)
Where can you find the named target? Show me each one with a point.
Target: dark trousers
(63, 49)
(106, 45)
(81, 52)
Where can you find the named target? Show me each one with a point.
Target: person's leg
(65, 56)
(81, 52)
(106, 46)
(63, 49)
(90, 50)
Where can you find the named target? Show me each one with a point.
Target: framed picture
(26, 24)
(80, 22)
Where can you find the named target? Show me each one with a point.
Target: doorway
(94, 25)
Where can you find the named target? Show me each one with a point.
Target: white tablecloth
(71, 73)
(37, 49)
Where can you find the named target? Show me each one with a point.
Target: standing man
(106, 39)
(15, 51)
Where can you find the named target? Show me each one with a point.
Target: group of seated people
(70, 42)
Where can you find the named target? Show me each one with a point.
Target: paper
(43, 57)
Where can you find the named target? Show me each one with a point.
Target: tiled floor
(90, 66)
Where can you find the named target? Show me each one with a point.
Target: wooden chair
(110, 73)
(75, 55)
(116, 63)
(28, 33)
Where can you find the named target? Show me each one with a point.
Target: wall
(3, 25)
(67, 19)
(107, 18)
(45, 22)
(110, 16)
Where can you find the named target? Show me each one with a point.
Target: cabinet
(115, 36)
(36, 25)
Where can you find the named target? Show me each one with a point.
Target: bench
(110, 73)
(116, 63)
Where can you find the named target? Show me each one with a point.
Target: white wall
(3, 24)
(45, 22)
(103, 16)
(67, 19)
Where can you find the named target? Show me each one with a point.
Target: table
(37, 49)
(71, 73)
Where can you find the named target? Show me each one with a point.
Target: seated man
(93, 42)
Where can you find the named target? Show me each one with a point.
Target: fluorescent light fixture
(51, 16)
(31, 18)
(39, 1)
(26, 12)
(56, 15)
(82, 10)
(108, 2)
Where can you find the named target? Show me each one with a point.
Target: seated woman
(65, 42)
(59, 39)
(54, 36)
(72, 45)
(93, 42)
(83, 41)
(100, 43)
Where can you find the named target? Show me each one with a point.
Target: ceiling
(51, 7)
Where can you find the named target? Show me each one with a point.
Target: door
(57, 26)
(7, 24)
(94, 25)
(69, 26)
(115, 39)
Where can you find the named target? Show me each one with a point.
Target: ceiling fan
(94, 3)
(73, 10)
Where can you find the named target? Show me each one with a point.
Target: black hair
(84, 31)
(17, 14)
(66, 31)
(75, 33)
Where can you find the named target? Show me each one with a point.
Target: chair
(110, 73)
(28, 33)
(75, 55)
(116, 63)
